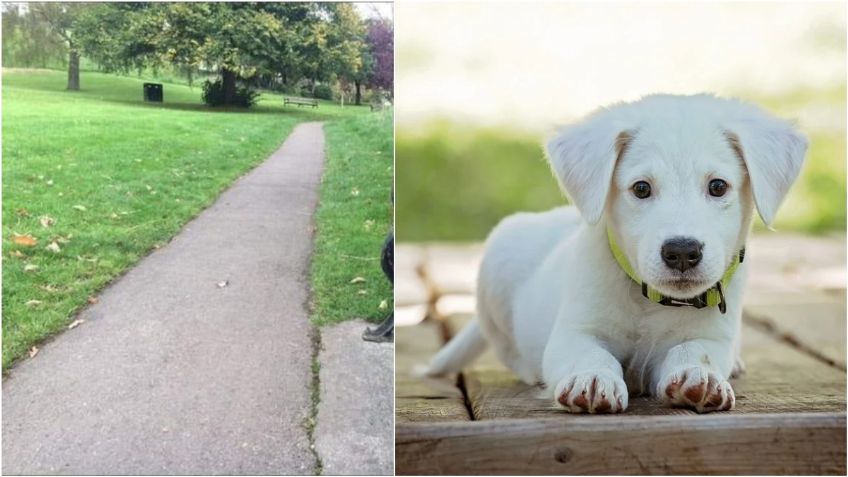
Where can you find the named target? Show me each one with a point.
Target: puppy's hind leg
(461, 350)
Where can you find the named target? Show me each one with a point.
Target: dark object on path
(153, 92)
(301, 102)
(385, 331)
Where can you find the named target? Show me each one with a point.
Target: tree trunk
(358, 93)
(73, 70)
(229, 77)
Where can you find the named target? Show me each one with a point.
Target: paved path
(355, 432)
(172, 374)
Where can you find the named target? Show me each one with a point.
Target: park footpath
(199, 360)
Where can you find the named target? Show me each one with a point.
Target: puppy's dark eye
(642, 189)
(717, 187)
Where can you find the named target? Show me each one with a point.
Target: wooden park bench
(790, 403)
(300, 101)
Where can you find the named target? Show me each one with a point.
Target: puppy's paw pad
(599, 392)
(698, 389)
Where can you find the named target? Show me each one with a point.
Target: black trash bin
(153, 92)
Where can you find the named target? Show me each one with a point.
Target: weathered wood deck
(790, 413)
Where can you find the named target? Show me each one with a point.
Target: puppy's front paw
(697, 388)
(595, 392)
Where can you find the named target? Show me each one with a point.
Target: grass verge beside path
(94, 180)
(353, 218)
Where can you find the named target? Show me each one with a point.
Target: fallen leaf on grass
(33, 303)
(92, 300)
(30, 267)
(49, 288)
(384, 304)
(46, 221)
(22, 212)
(358, 280)
(80, 208)
(67, 239)
(223, 283)
(33, 351)
(76, 323)
(53, 247)
(50, 182)
(362, 292)
(25, 240)
(16, 254)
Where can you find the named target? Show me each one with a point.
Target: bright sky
(534, 64)
(375, 9)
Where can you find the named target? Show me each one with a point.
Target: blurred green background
(456, 181)
(475, 104)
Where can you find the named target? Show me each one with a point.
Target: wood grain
(818, 326)
(779, 379)
(748, 444)
(419, 399)
(790, 419)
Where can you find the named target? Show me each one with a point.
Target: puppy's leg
(585, 376)
(694, 374)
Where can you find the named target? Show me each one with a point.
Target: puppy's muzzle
(682, 253)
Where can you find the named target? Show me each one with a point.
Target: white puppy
(643, 294)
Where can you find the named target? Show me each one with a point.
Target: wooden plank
(747, 444)
(778, 379)
(818, 326)
(418, 399)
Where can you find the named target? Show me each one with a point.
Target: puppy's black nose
(681, 253)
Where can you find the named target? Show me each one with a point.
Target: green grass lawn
(456, 182)
(353, 218)
(99, 178)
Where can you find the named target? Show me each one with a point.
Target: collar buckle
(722, 304)
(698, 302)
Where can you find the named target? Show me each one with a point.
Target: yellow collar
(712, 297)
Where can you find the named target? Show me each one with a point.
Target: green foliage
(323, 91)
(213, 94)
(28, 41)
(261, 43)
(352, 221)
(456, 183)
(140, 171)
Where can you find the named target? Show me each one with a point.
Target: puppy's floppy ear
(773, 152)
(583, 157)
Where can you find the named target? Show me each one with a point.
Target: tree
(117, 36)
(346, 47)
(61, 17)
(239, 40)
(28, 41)
(380, 41)
(245, 43)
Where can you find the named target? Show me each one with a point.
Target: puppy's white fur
(559, 310)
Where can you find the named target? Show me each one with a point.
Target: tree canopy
(252, 43)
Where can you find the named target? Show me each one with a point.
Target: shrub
(213, 94)
(323, 91)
